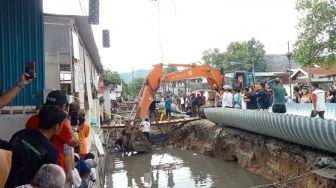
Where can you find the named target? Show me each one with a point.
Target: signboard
(79, 83)
(75, 45)
(88, 80)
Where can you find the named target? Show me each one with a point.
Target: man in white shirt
(229, 102)
(182, 103)
(224, 98)
(146, 128)
(318, 100)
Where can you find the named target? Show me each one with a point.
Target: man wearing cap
(65, 137)
(32, 147)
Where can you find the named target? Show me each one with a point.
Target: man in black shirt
(264, 98)
(31, 148)
(152, 109)
(252, 100)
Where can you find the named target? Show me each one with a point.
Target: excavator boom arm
(213, 76)
(155, 77)
(148, 90)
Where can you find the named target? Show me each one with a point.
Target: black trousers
(314, 114)
(279, 108)
(146, 135)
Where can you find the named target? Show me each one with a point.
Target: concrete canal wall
(272, 158)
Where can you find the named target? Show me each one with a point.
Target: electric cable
(174, 6)
(159, 30)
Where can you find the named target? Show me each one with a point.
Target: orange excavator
(155, 77)
(152, 83)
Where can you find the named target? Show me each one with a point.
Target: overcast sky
(146, 32)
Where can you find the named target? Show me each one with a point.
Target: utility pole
(289, 56)
(253, 68)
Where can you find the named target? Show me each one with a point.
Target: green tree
(167, 70)
(125, 89)
(112, 76)
(239, 56)
(213, 57)
(316, 43)
(135, 85)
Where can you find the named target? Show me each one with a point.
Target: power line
(81, 6)
(174, 6)
(86, 14)
(159, 30)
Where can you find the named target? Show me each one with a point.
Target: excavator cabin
(239, 79)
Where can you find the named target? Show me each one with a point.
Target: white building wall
(11, 123)
(107, 103)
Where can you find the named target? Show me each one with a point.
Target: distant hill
(127, 77)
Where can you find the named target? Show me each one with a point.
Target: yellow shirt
(83, 133)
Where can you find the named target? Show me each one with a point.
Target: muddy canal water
(172, 167)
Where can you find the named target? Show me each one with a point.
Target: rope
(288, 180)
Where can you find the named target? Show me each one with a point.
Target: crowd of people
(191, 103)
(303, 95)
(252, 99)
(52, 150)
(270, 94)
(273, 95)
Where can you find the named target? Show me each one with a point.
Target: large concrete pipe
(313, 132)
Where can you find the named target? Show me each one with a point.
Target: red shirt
(313, 97)
(59, 140)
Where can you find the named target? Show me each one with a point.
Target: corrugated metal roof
(21, 39)
(321, 71)
(317, 72)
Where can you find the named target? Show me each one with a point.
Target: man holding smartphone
(10, 94)
(25, 79)
(7, 97)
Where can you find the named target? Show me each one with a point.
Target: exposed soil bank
(272, 158)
